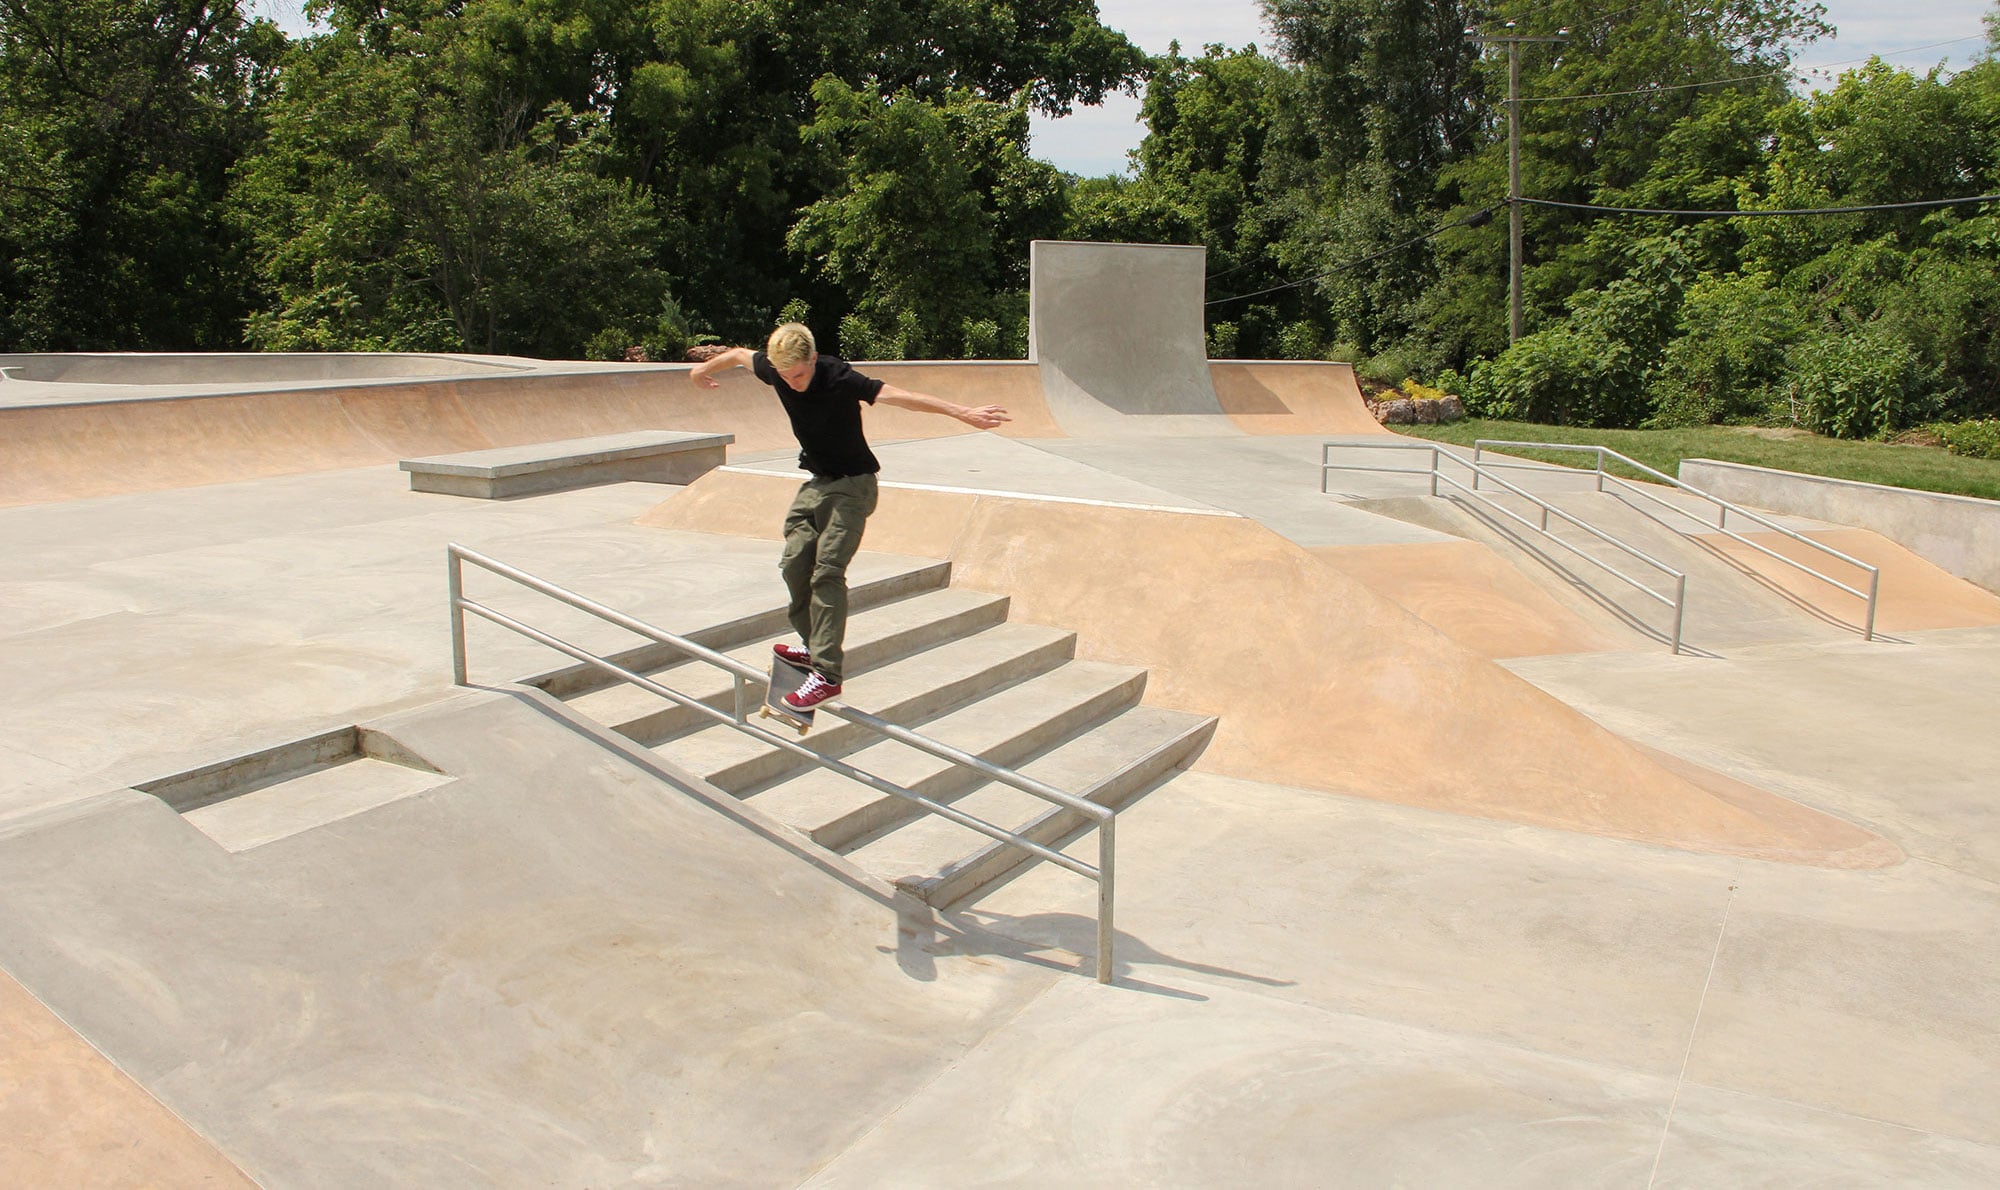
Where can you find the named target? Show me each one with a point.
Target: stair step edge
(835, 810)
(928, 844)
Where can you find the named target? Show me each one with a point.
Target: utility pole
(1514, 41)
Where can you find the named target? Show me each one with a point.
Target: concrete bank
(1959, 533)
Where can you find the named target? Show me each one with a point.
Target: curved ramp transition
(1319, 682)
(67, 449)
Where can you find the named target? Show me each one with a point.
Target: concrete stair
(942, 862)
(944, 662)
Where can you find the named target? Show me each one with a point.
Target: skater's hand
(984, 417)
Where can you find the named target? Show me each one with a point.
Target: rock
(1451, 408)
(1400, 412)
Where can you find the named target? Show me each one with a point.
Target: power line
(1473, 220)
(1771, 74)
(1885, 206)
(1906, 50)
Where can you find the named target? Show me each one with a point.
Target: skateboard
(785, 678)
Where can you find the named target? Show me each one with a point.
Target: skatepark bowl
(1436, 866)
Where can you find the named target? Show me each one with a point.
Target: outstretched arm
(979, 417)
(703, 373)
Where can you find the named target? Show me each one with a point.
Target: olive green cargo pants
(822, 533)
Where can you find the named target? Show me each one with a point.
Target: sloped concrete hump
(1319, 682)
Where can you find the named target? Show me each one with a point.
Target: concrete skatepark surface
(1476, 883)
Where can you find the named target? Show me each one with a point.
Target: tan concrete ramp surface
(1319, 682)
(1472, 595)
(155, 368)
(1282, 397)
(69, 1118)
(1915, 594)
(75, 449)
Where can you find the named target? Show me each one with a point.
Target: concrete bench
(645, 456)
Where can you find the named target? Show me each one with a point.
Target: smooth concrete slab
(563, 968)
(1806, 1020)
(148, 634)
(641, 456)
(987, 463)
(1274, 479)
(1891, 733)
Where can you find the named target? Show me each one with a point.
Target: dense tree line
(571, 177)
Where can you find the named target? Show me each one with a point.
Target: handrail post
(1680, 610)
(1478, 453)
(1437, 464)
(1874, 586)
(455, 584)
(1600, 468)
(1106, 857)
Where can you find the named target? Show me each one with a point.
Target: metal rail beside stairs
(1483, 471)
(749, 685)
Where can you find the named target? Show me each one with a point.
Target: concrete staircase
(946, 663)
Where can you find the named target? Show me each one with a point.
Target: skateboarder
(823, 396)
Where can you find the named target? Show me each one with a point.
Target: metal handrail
(1438, 453)
(1103, 816)
(1725, 507)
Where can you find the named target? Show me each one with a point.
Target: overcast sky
(1915, 35)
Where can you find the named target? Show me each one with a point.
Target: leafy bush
(982, 338)
(1729, 358)
(1859, 383)
(1565, 375)
(1973, 439)
(863, 338)
(1388, 367)
(1301, 340)
(1222, 340)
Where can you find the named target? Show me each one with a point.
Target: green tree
(713, 95)
(926, 232)
(119, 123)
(406, 201)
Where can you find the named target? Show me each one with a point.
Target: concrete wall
(1958, 533)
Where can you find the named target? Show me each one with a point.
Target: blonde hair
(790, 345)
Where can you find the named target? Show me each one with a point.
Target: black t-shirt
(826, 418)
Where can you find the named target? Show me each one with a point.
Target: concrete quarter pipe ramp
(1117, 330)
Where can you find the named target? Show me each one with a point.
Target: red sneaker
(813, 692)
(794, 655)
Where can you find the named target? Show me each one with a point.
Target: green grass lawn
(1926, 468)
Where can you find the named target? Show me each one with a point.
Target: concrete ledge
(645, 456)
(1961, 534)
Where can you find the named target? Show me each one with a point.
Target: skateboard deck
(785, 678)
